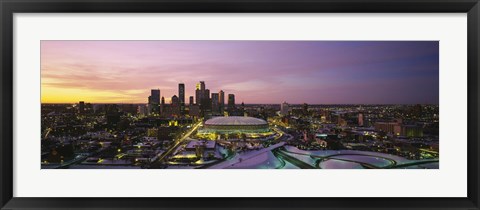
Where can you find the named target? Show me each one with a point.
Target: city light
(240, 105)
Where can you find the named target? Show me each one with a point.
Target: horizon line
(143, 103)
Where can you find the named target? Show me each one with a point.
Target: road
(177, 143)
(393, 164)
(79, 159)
(414, 163)
(235, 159)
(292, 160)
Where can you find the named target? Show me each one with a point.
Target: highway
(415, 163)
(292, 160)
(393, 164)
(333, 157)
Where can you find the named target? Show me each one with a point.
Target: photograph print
(239, 104)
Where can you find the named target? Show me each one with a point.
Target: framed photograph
(239, 104)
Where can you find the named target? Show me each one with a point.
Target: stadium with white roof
(250, 126)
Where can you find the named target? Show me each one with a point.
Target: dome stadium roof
(233, 120)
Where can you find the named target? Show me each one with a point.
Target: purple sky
(314, 72)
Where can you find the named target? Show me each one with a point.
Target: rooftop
(234, 120)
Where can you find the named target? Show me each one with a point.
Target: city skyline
(268, 72)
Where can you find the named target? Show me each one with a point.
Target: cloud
(255, 71)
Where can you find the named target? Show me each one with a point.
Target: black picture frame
(10, 7)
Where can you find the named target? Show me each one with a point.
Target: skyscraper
(154, 101)
(199, 92)
(215, 103)
(197, 96)
(174, 106)
(181, 97)
(202, 97)
(231, 102)
(191, 101)
(155, 96)
(221, 99)
(206, 96)
(162, 106)
(206, 103)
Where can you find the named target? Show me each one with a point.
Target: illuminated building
(215, 103)
(412, 131)
(173, 123)
(360, 119)
(221, 98)
(206, 104)
(202, 98)
(235, 125)
(175, 105)
(231, 102)
(389, 127)
(197, 96)
(154, 101)
(152, 132)
(162, 106)
(181, 97)
(200, 92)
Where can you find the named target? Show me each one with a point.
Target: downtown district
(207, 133)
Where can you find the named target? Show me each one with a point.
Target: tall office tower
(162, 106)
(191, 101)
(154, 101)
(181, 93)
(360, 119)
(81, 107)
(181, 97)
(215, 103)
(206, 96)
(284, 108)
(206, 103)
(155, 93)
(175, 106)
(198, 94)
(231, 102)
(207, 93)
(202, 85)
(221, 98)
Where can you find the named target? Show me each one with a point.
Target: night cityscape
(239, 105)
